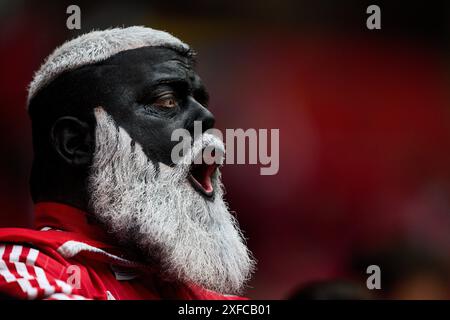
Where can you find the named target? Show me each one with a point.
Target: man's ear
(73, 141)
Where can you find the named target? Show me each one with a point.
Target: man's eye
(166, 101)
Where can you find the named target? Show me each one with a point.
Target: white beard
(192, 239)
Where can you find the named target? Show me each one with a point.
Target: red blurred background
(364, 119)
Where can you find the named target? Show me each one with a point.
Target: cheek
(154, 134)
(165, 143)
(155, 139)
(186, 121)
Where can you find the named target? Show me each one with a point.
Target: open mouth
(200, 177)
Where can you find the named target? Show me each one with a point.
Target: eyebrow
(200, 89)
(169, 80)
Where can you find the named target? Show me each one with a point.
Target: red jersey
(66, 257)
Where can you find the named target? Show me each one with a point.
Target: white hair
(191, 239)
(97, 46)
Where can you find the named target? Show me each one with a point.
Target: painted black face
(150, 92)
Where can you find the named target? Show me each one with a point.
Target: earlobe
(72, 140)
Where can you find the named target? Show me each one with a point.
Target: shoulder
(22, 235)
(46, 238)
(31, 270)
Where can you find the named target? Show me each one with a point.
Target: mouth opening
(200, 177)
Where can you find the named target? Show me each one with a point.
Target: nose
(204, 115)
(207, 119)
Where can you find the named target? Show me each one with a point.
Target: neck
(51, 183)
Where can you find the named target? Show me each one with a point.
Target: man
(116, 217)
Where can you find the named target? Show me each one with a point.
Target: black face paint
(149, 92)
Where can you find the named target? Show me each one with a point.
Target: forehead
(150, 63)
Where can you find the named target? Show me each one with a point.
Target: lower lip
(197, 186)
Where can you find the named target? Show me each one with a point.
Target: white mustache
(205, 143)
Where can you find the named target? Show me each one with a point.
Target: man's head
(103, 109)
